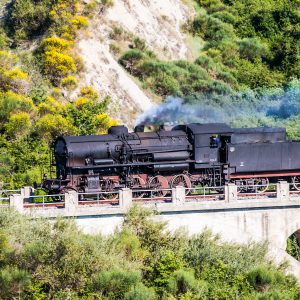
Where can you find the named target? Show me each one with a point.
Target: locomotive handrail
(137, 164)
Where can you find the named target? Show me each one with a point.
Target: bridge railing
(5, 194)
(148, 195)
(265, 191)
(43, 201)
(294, 190)
(91, 198)
(205, 193)
(124, 198)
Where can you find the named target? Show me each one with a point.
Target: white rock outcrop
(158, 23)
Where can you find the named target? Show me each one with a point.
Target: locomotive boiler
(186, 155)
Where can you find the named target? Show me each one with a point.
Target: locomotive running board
(247, 176)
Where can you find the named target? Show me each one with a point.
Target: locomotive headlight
(232, 149)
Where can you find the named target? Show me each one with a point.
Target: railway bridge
(270, 216)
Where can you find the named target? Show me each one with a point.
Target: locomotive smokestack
(166, 127)
(152, 128)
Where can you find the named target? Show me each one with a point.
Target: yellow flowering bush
(66, 18)
(104, 122)
(69, 83)
(50, 126)
(18, 125)
(56, 93)
(50, 105)
(55, 43)
(10, 102)
(15, 80)
(7, 60)
(82, 101)
(79, 22)
(16, 74)
(89, 92)
(57, 65)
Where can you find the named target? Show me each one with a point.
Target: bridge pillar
(26, 191)
(16, 201)
(178, 195)
(230, 192)
(125, 198)
(283, 191)
(71, 201)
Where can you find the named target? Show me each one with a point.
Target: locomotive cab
(208, 141)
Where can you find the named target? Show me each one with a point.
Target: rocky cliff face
(158, 23)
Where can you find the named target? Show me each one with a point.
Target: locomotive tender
(187, 155)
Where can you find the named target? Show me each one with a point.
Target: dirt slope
(158, 23)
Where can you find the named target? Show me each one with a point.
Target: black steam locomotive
(186, 155)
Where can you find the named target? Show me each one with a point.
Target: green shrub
(116, 33)
(28, 18)
(130, 60)
(13, 282)
(251, 48)
(4, 40)
(115, 284)
(141, 292)
(139, 44)
(159, 271)
(182, 282)
(11, 102)
(115, 49)
(166, 85)
(260, 278)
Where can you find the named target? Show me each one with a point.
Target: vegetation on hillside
(37, 99)
(143, 260)
(246, 74)
(247, 44)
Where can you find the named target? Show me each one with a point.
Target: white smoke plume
(243, 109)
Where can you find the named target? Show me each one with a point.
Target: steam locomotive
(186, 155)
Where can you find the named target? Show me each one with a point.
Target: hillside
(157, 23)
(78, 67)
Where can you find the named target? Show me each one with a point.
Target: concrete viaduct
(267, 217)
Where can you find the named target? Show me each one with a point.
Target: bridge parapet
(180, 199)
